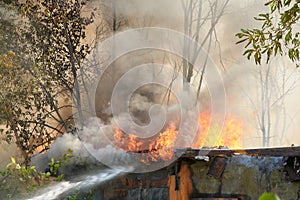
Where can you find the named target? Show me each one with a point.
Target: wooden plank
(264, 152)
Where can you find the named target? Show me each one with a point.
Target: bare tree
(198, 15)
(273, 86)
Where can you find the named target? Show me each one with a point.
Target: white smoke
(240, 83)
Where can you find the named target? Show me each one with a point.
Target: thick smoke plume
(241, 79)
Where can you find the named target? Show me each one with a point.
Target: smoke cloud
(241, 81)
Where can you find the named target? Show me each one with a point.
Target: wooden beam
(263, 152)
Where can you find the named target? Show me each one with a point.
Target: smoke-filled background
(245, 83)
(241, 77)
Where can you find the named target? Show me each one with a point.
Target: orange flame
(154, 149)
(165, 143)
(162, 146)
(204, 125)
(231, 135)
(214, 135)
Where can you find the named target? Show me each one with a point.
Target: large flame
(161, 147)
(151, 149)
(229, 135)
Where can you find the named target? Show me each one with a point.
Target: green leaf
(288, 36)
(287, 2)
(243, 40)
(4, 172)
(259, 19)
(245, 31)
(249, 52)
(272, 7)
(296, 54)
(291, 53)
(47, 175)
(268, 196)
(60, 177)
(264, 15)
(268, 3)
(275, 49)
(240, 35)
(257, 57)
(269, 53)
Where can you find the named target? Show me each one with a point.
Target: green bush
(80, 196)
(268, 196)
(18, 179)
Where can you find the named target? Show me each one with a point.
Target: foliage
(268, 196)
(22, 107)
(17, 178)
(16, 175)
(54, 166)
(40, 62)
(57, 41)
(80, 196)
(278, 33)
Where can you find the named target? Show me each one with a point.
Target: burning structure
(227, 171)
(189, 173)
(195, 172)
(220, 174)
(203, 173)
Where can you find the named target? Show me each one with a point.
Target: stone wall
(246, 176)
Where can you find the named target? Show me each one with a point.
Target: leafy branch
(277, 35)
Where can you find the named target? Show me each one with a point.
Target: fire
(230, 135)
(154, 149)
(204, 124)
(161, 147)
(165, 143)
